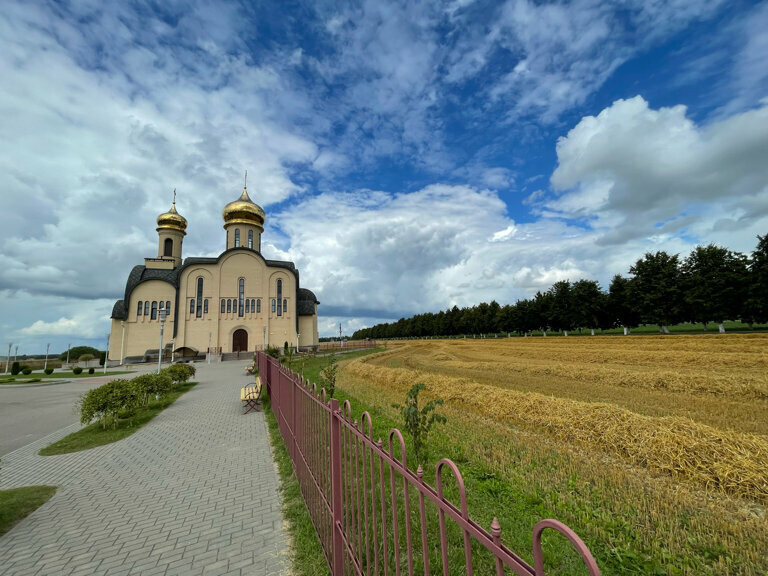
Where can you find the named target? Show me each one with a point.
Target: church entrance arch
(240, 341)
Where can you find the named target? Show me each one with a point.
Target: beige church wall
(142, 333)
(307, 331)
(193, 331)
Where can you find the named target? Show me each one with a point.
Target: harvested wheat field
(654, 448)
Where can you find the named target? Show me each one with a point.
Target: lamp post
(8, 358)
(106, 355)
(298, 336)
(209, 348)
(47, 347)
(263, 338)
(162, 313)
(122, 342)
(68, 345)
(173, 348)
(16, 353)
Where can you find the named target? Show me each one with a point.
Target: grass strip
(37, 376)
(94, 435)
(307, 555)
(18, 503)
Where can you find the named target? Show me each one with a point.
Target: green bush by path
(18, 503)
(26, 370)
(106, 402)
(15, 368)
(48, 371)
(77, 370)
(127, 423)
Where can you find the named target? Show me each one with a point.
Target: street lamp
(8, 358)
(68, 345)
(263, 338)
(162, 313)
(47, 347)
(16, 353)
(106, 355)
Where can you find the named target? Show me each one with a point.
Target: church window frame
(223, 306)
(247, 306)
(140, 308)
(273, 305)
(168, 247)
(279, 297)
(285, 306)
(258, 306)
(199, 310)
(240, 297)
(237, 237)
(154, 311)
(250, 239)
(253, 306)
(146, 307)
(167, 307)
(229, 306)
(205, 306)
(191, 305)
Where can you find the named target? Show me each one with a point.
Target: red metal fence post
(337, 511)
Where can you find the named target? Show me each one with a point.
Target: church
(237, 302)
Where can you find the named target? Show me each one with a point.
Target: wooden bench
(249, 369)
(250, 395)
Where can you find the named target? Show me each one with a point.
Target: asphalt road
(30, 411)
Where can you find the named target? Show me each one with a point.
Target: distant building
(237, 302)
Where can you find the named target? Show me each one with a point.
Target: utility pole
(341, 344)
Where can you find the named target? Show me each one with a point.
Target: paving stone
(189, 493)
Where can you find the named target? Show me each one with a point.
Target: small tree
(418, 423)
(85, 358)
(328, 376)
(15, 368)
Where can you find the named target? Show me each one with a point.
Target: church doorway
(240, 341)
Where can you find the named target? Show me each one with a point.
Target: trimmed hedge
(77, 370)
(15, 368)
(48, 371)
(26, 370)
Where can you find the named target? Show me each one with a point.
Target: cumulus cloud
(633, 171)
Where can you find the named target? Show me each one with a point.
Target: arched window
(250, 239)
(168, 247)
(240, 296)
(199, 297)
(258, 305)
(247, 306)
(229, 306)
(237, 237)
(167, 306)
(279, 297)
(146, 308)
(253, 305)
(223, 306)
(154, 311)
(273, 305)
(205, 306)
(285, 306)
(141, 306)
(191, 305)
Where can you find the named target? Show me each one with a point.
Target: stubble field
(654, 448)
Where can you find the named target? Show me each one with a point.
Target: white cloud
(635, 169)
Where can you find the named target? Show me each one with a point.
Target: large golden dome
(243, 211)
(172, 220)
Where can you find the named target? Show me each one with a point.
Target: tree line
(711, 285)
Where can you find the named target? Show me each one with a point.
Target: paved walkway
(193, 492)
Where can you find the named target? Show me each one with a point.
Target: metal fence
(372, 514)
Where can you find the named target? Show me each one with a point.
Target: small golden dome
(243, 211)
(172, 220)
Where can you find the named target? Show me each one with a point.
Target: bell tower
(171, 229)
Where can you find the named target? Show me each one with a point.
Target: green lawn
(94, 435)
(38, 376)
(18, 503)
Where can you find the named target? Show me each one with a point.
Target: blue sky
(409, 156)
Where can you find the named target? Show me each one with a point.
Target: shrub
(273, 351)
(148, 385)
(26, 370)
(285, 347)
(419, 422)
(91, 370)
(106, 402)
(49, 371)
(178, 373)
(328, 376)
(15, 368)
(77, 351)
(77, 370)
(86, 358)
(102, 357)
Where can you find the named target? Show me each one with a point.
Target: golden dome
(243, 211)
(172, 220)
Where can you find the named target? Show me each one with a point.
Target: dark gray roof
(307, 301)
(141, 274)
(118, 310)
